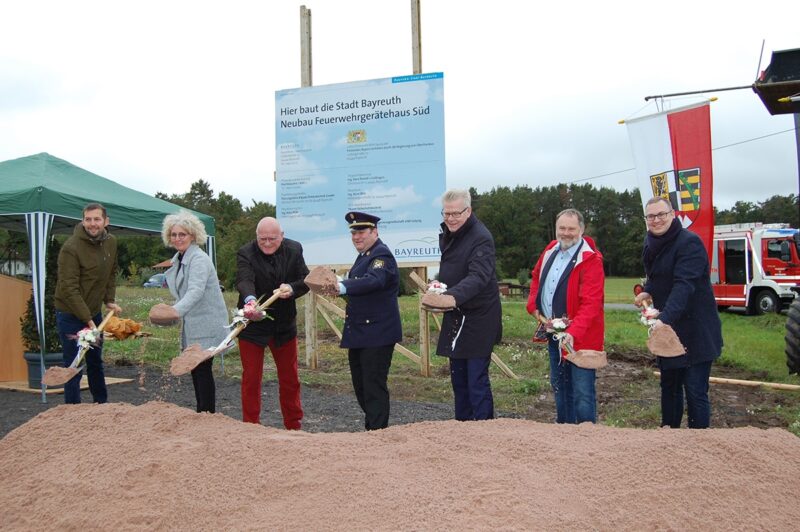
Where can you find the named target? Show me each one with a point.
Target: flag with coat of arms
(672, 154)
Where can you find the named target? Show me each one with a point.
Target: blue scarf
(654, 244)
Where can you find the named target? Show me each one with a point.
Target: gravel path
(324, 412)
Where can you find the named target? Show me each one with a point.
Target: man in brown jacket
(87, 269)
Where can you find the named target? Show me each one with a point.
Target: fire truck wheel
(765, 302)
(793, 337)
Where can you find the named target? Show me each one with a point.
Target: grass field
(753, 344)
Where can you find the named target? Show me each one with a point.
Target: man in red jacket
(567, 282)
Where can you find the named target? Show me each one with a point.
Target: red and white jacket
(585, 294)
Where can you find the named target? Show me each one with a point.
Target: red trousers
(285, 357)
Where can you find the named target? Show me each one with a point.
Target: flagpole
(648, 98)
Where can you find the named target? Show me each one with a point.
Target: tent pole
(38, 225)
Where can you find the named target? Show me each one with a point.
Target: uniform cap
(361, 220)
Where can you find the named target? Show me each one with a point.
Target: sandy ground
(159, 466)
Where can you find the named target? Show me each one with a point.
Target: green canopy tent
(43, 195)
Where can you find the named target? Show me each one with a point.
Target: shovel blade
(57, 376)
(190, 358)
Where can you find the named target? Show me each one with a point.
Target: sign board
(373, 146)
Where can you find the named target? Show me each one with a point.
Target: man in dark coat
(678, 285)
(372, 323)
(266, 265)
(473, 326)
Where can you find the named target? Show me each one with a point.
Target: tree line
(521, 219)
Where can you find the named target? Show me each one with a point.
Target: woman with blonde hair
(192, 280)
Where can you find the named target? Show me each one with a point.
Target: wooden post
(752, 384)
(305, 47)
(311, 330)
(416, 37)
(312, 358)
(424, 328)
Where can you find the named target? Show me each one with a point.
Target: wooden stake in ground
(752, 384)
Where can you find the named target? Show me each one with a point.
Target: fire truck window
(774, 249)
(735, 262)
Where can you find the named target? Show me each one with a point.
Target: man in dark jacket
(87, 273)
(473, 326)
(679, 286)
(266, 265)
(372, 323)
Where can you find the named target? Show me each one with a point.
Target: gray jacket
(198, 299)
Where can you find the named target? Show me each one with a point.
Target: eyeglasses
(269, 239)
(178, 236)
(659, 215)
(454, 214)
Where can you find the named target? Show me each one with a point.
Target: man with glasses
(372, 324)
(678, 285)
(567, 282)
(472, 324)
(271, 264)
(87, 273)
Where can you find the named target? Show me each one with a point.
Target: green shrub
(29, 330)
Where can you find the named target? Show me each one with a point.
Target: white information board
(373, 146)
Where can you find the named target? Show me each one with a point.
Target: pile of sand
(159, 466)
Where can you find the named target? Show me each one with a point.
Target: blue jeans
(694, 381)
(471, 388)
(68, 326)
(573, 388)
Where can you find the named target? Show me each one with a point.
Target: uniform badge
(377, 263)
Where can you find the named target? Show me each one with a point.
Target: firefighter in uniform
(372, 324)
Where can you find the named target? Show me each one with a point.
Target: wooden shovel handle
(105, 320)
(269, 301)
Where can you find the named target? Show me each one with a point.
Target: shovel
(194, 355)
(57, 376)
(661, 341)
(583, 358)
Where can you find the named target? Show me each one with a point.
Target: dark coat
(373, 313)
(87, 273)
(680, 285)
(258, 274)
(468, 269)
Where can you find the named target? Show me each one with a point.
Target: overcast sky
(158, 94)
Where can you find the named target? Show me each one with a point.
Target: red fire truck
(756, 266)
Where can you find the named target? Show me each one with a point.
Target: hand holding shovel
(583, 358)
(56, 376)
(662, 340)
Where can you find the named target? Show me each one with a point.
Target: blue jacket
(468, 269)
(372, 314)
(680, 285)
